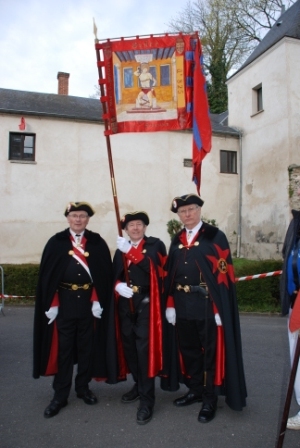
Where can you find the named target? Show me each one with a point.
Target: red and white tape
(252, 277)
(7, 296)
(239, 279)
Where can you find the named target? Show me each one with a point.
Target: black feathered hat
(134, 216)
(186, 199)
(79, 206)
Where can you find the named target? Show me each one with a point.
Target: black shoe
(88, 397)
(131, 396)
(187, 399)
(144, 415)
(207, 413)
(54, 408)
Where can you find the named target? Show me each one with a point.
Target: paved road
(111, 424)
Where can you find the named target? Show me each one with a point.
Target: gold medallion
(71, 252)
(86, 254)
(222, 266)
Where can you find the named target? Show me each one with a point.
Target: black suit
(135, 334)
(80, 338)
(208, 260)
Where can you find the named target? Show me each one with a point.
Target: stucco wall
(72, 165)
(270, 144)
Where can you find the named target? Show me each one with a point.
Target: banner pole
(289, 394)
(110, 161)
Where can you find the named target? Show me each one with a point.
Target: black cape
(155, 250)
(55, 259)
(212, 254)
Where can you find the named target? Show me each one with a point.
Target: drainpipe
(239, 233)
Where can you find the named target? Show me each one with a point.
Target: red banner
(149, 83)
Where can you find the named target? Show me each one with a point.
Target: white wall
(270, 144)
(72, 165)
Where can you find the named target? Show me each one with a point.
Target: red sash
(79, 253)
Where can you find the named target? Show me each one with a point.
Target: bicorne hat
(186, 199)
(134, 216)
(79, 206)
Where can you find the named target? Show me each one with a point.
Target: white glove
(171, 315)
(123, 245)
(218, 320)
(97, 310)
(52, 313)
(124, 290)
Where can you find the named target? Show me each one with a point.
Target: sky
(39, 38)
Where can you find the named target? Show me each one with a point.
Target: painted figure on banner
(146, 97)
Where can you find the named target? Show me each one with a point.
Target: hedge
(260, 295)
(20, 280)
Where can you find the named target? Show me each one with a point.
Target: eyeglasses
(188, 210)
(78, 216)
(136, 224)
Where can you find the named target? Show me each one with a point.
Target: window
(165, 75)
(188, 163)
(257, 99)
(21, 146)
(128, 77)
(228, 161)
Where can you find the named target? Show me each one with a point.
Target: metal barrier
(2, 291)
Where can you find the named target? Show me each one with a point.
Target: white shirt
(193, 232)
(77, 238)
(136, 243)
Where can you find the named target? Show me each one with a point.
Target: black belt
(192, 288)
(140, 289)
(76, 286)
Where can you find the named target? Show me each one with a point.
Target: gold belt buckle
(74, 287)
(185, 288)
(135, 289)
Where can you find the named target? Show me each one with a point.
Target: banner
(156, 83)
(149, 82)
(201, 120)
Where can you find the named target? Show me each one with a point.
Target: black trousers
(135, 339)
(197, 342)
(75, 340)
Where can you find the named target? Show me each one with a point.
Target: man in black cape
(202, 304)
(139, 313)
(70, 321)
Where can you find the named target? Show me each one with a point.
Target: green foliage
(258, 295)
(173, 227)
(216, 88)
(20, 280)
(212, 222)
